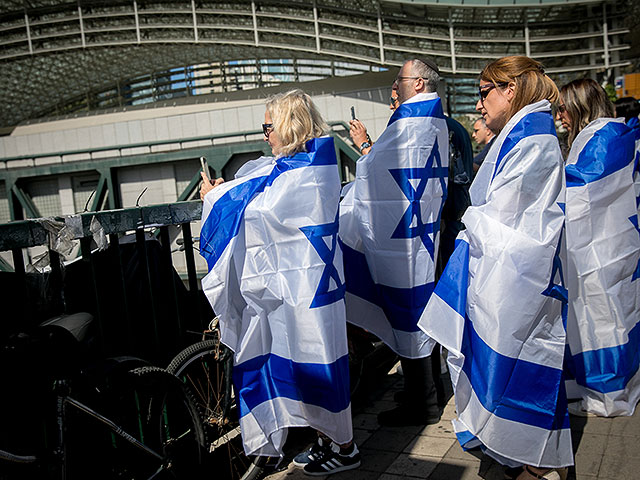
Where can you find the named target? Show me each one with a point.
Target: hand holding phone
(205, 168)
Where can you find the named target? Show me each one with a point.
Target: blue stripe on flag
(428, 108)
(512, 388)
(535, 123)
(270, 376)
(465, 437)
(611, 149)
(607, 369)
(402, 306)
(226, 215)
(497, 380)
(452, 286)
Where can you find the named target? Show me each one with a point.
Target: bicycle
(113, 418)
(206, 367)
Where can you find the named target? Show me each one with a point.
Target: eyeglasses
(484, 90)
(400, 78)
(393, 100)
(267, 128)
(562, 108)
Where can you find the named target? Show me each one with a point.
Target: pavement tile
(411, 430)
(622, 447)
(357, 474)
(367, 421)
(587, 465)
(388, 440)
(442, 429)
(595, 425)
(413, 465)
(361, 435)
(590, 444)
(457, 452)
(376, 460)
(389, 476)
(619, 468)
(430, 446)
(626, 426)
(454, 468)
(449, 412)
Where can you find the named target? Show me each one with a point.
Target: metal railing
(124, 277)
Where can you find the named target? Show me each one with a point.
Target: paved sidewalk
(605, 448)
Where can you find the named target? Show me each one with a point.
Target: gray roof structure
(60, 57)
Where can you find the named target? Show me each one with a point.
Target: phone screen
(353, 113)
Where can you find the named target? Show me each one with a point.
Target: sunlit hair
(585, 100)
(428, 70)
(531, 83)
(295, 119)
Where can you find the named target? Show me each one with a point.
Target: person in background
(603, 254)
(497, 307)
(483, 136)
(390, 229)
(275, 280)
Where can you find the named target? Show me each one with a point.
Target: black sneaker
(312, 453)
(334, 460)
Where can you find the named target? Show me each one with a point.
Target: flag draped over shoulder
(634, 124)
(603, 252)
(390, 225)
(498, 306)
(276, 281)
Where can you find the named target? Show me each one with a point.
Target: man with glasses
(390, 231)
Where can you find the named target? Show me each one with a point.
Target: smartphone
(353, 113)
(205, 168)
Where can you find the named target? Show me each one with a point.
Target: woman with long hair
(603, 252)
(497, 308)
(275, 280)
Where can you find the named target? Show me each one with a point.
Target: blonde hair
(295, 119)
(585, 100)
(531, 83)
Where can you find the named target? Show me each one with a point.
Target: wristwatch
(364, 145)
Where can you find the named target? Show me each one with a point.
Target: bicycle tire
(154, 407)
(205, 368)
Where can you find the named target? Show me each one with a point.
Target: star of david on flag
(316, 234)
(406, 227)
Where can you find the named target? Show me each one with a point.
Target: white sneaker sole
(335, 470)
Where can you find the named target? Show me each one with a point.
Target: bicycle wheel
(205, 368)
(154, 407)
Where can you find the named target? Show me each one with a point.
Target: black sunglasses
(484, 90)
(267, 128)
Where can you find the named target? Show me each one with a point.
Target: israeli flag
(498, 305)
(603, 252)
(634, 124)
(390, 225)
(276, 281)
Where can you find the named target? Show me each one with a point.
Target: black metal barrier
(124, 276)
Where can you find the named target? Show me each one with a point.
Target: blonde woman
(276, 281)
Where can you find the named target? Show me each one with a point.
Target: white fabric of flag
(498, 306)
(390, 225)
(276, 281)
(603, 253)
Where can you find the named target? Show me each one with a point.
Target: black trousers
(423, 386)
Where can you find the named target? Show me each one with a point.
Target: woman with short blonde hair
(295, 119)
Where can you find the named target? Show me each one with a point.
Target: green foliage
(611, 92)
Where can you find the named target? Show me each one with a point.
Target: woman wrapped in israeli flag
(498, 305)
(276, 281)
(603, 252)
